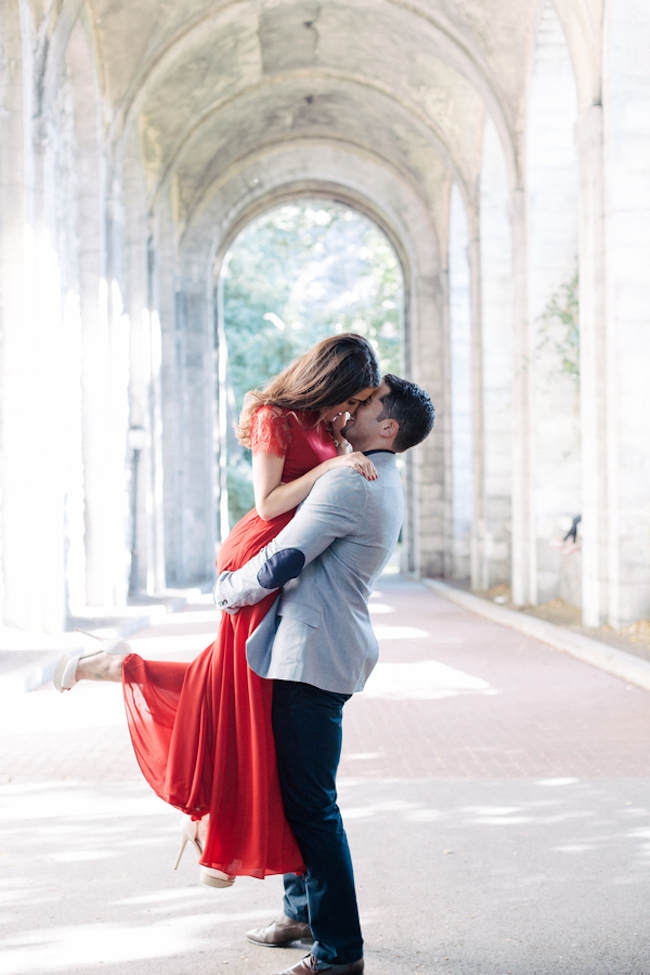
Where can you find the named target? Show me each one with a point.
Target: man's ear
(388, 428)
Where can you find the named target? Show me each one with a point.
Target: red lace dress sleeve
(270, 432)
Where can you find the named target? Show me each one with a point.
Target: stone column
(19, 424)
(460, 329)
(167, 304)
(477, 534)
(41, 346)
(200, 496)
(426, 318)
(551, 176)
(626, 109)
(496, 354)
(105, 342)
(524, 588)
(148, 567)
(189, 388)
(594, 370)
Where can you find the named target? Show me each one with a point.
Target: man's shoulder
(340, 480)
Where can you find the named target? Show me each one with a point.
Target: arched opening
(188, 296)
(294, 275)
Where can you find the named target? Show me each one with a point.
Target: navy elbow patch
(281, 567)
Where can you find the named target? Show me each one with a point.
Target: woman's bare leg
(101, 666)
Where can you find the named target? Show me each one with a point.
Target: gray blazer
(326, 562)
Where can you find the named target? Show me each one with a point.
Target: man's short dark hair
(411, 407)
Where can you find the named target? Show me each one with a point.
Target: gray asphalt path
(495, 793)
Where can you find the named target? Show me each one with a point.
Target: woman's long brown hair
(330, 373)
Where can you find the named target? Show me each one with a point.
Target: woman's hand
(358, 461)
(273, 498)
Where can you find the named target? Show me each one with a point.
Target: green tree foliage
(303, 272)
(296, 275)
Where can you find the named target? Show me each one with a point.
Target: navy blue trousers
(307, 732)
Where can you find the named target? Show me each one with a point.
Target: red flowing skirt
(202, 733)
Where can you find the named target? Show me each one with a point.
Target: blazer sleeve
(334, 508)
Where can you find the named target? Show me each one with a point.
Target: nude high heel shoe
(215, 878)
(195, 831)
(65, 673)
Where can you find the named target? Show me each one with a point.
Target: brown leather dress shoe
(309, 965)
(281, 933)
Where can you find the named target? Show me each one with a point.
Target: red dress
(202, 731)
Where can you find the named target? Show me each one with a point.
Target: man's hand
(333, 509)
(220, 600)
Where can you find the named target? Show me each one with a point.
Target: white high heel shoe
(215, 878)
(195, 831)
(65, 673)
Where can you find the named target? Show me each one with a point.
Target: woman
(202, 731)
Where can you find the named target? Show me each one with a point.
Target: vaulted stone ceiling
(207, 84)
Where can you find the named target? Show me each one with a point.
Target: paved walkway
(496, 794)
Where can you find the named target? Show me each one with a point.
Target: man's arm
(334, 508)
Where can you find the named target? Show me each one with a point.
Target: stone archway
(366, 184)
(338, 267)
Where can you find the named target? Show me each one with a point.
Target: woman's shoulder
(270, 430)
(269, 414)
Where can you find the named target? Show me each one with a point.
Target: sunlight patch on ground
(380, 608)
(384, 632)
(59, 949)
(424, 680)
(85, 706)
(162, 897)
(363, 756)
(566, 781)
(384, 806)
(79, 856)
(76, 804)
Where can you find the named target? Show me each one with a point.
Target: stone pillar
(18, 413)
(524, 589)
(496, 354)
(167, 304)
(145, 409)
(594, 371)
(189, 388)
(477, 533)
(626, 108)
(426, 321)
(105, 346)
(460, 329)
(552, 201)
(41, 486)
(200, 496)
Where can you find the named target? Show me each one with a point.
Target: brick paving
(542, 712)
(495, 793)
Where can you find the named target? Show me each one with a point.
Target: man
(318, 646)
